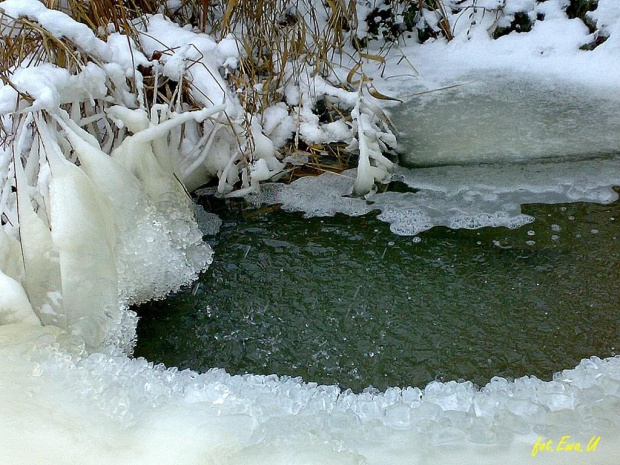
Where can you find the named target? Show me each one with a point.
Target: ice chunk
(209, 223)
(156, 253)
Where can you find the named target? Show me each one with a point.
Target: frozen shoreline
(60, 406)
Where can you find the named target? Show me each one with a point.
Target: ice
(40, 258)
(324, 195)
(467, 197)
(209, 223)
(501, 118)
(131, 411)
(15, 307)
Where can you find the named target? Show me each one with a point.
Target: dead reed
(281, 42)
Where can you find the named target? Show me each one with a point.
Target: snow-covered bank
(550, 52)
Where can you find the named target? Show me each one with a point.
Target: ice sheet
(467, 197)
(499, 118)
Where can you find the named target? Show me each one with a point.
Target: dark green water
(343, 300)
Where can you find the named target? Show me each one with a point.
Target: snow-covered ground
(62, 404)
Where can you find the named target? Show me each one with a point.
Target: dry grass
(281, 41)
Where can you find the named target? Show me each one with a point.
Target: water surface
(343, 300)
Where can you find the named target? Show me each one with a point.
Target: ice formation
(85, 241)
(105, 407)
(467, 197)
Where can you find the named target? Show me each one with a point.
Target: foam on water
(467, 197)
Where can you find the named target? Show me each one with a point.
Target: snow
(58, 24)
(607, 18)
(549, 51)
(278, 124)
(70, 394)
(51, 86)
(181, 48)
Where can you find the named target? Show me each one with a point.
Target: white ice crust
(60, 405)
(469, 196)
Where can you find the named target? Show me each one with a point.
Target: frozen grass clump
(94, 215)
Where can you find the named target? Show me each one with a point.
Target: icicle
(192, 161)
(32, 162)
(365, 180)
(41, 263)
(159, 113)
(127, 197)
(370, 148)
(120, 186)
(10, 256)
(230, 174)
(84, 232)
